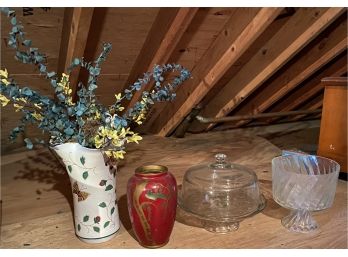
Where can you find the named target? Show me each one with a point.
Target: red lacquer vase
(152, 199)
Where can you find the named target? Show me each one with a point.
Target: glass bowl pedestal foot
(220, 227)
(300, 221)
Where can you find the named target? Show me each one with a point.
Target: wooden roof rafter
(303, 94)
(314, 104)
(76, 26)
(163, 37)
(298, 97)
(229, 45)
(304, 25)
(311, 59)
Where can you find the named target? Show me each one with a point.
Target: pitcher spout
(62, 149)
(65, 153)
(80, 162)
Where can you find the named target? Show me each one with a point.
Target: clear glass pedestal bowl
(303, 184)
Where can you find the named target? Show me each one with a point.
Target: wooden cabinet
(333, 127)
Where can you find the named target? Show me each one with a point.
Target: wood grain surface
(279, 50)
(36, 196)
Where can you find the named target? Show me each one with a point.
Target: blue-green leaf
(27, 42)
(92, 87)
(51, 74)
(69, 131)
(14, 21)
(43, 68)
(29, 143)
(76, 61)
(85, 218)
(61, 96)
(40, 58)
(26, 91)
(59, 124)
(15, 29)
(79, 113)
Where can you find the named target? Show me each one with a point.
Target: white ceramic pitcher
(93, 185)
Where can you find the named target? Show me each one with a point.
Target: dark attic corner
(224, 127)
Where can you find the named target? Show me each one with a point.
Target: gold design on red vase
(136, 201)
(158, 191)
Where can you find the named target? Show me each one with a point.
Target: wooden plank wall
(44, 27)
(243, 60)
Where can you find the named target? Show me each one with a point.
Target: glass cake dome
(221, 194)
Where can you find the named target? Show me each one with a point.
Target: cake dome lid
(220, 174)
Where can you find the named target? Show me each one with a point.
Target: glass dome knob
(220, 158)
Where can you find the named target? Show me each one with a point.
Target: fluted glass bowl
(221, 194)
(303, 184)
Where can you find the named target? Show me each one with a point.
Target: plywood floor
(36, 195)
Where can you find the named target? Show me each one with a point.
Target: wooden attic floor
(301, 136)
(36, 194)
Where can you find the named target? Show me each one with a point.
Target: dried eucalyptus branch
(85, 121)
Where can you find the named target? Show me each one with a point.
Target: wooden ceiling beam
(301, 95)
(157, 32)
(316, 103)
(164, 35)
(311, 59)
(305, 92)
(76, 26)
(301, 28)
(241, 30)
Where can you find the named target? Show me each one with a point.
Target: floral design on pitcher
(88, 224)
(109, 208)
(104, 182)
(97, 223)
(70, 163)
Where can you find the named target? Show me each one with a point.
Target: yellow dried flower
(18, 107)
(108, 153)
(5, 81)
(118, 96)
(118, 154)
(4, 100)
(134, 139)
(97, 115)
(98, 141)
(65, 85)
(4, 77)
(37, 106)
(4, 73)
(37, 116)
(22, 100)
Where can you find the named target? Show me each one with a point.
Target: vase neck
(151, 171)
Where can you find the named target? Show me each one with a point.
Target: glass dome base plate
(218, 224)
